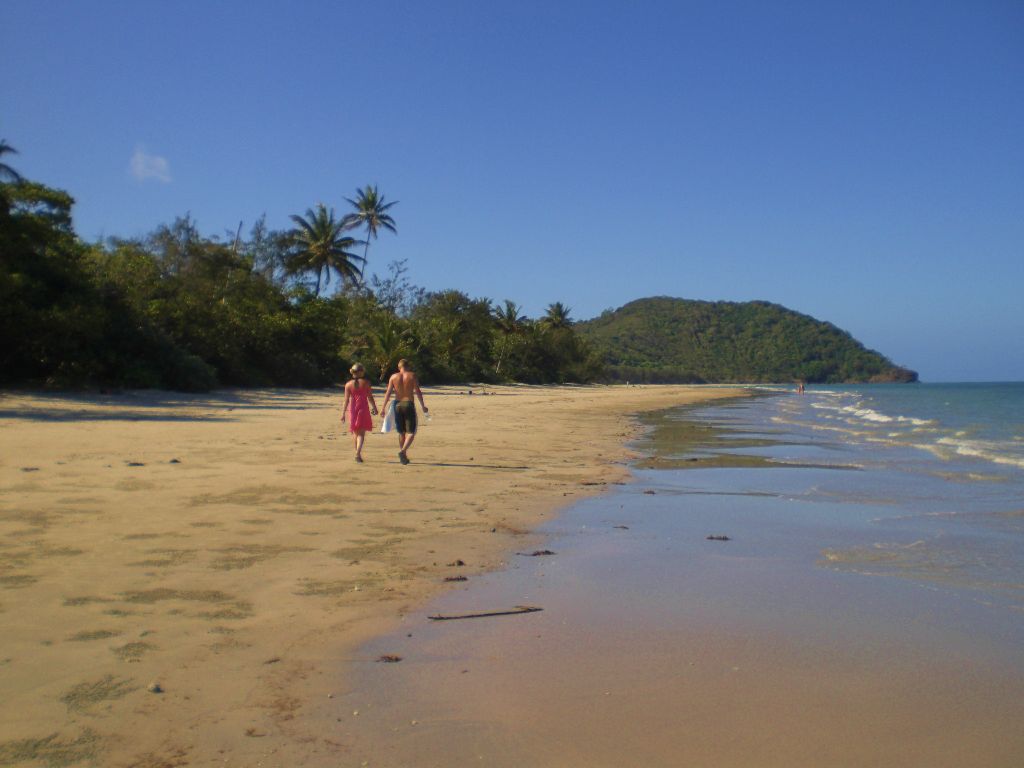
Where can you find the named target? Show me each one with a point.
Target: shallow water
(867, 608)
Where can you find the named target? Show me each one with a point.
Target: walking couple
(359, 404)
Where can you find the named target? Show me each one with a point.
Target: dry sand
(228, 549)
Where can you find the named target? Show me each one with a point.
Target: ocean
(832, 578)
(936, 480)
(977, 426)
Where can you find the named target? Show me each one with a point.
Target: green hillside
(664, 339)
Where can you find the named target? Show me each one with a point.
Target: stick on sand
(513, 612)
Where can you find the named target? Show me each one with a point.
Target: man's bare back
(404, 384)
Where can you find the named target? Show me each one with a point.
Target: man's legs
(401, 448)
(404, 442)
(405, 420)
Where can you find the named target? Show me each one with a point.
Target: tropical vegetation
(666, 339)
(370, 212)
(180, 310)
(318, 245)
(177, 309)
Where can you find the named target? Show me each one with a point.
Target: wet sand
(185, 579)
(658, 646)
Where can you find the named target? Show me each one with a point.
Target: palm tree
(557, 316)
(390, 343)
(371, 212)
(509, 324)
(6, 172)
(319, 247)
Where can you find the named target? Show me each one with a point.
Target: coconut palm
(319, 247)
(509, 324)
(391, 341)
(371, 212)
(557, 316)
(7, 172)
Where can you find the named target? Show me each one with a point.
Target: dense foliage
(665, 339)
(183, 311)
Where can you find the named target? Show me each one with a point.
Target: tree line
(180, 310)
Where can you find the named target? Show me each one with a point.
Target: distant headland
(664, 339)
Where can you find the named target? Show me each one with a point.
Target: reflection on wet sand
(691, 619)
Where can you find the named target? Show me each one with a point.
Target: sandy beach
(183, 576)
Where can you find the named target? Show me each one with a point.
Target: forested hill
(665, 339)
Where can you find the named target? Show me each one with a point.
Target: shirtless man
(404, 385)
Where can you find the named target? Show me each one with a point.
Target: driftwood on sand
(518, 609)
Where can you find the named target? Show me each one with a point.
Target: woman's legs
(358, 436)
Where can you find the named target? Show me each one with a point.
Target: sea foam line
(869, 414)
(980, 450)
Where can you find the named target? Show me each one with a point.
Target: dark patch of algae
(53, 751)
(675, 441)
(84, 695)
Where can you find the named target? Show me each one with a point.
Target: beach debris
(457, 564)
(456, 578)
(155, 687)
(517, 610)
(390, 658)
(254, 733)
(135, 464)
(30, 469)
(536, 553)
(718, 537)
(174, 461)
(649, 492)
(593, 482)
(273, 660)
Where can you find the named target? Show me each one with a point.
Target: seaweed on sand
(51, 751)
(85, 695)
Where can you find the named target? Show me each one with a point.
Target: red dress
(359, 408)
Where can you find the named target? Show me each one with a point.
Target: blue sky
(859, 162)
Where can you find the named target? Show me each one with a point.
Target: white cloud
(146, 166)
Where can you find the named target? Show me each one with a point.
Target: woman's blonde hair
(356, 368)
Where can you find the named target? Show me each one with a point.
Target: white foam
(869, 414)
(981, 449)
(916, 422)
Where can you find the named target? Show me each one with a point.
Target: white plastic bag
(388, 425)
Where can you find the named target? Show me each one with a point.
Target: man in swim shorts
(404, 385)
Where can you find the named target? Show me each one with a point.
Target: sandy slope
(227, 548)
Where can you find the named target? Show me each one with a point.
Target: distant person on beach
(404, 385)
(358, 405)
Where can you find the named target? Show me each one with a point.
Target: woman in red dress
(359, 404)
